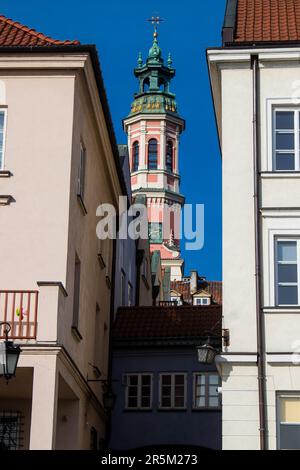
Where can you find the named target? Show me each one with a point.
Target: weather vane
(155, 20)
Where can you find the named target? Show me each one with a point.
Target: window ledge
(76, 333)
(5, 174)
(82, 205)
(201, 410)
(280, 174)
(6, 200)
(168, 410)
(285, 310)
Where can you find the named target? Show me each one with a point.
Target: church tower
(154, 128)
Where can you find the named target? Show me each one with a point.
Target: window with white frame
(2, 136)
(138, 391)
(288, 421)
(206, 394)
(286, 139)
(287, 273)
(172, 391)
(202, 301)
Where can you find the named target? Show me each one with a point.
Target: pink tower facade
(154, 128)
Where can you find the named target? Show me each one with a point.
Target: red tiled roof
(212, 287)
(13, 33)
(167, 322)
(267, 20)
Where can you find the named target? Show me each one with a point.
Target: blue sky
(120, 31)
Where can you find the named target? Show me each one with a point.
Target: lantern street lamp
(207, 353)
(9, 355)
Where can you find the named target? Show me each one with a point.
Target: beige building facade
(58, 163)
(257, 89)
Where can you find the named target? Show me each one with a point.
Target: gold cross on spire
(155, 20)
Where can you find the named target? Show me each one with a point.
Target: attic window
(202, 301)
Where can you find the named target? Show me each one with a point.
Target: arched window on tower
(135, 156)
(152, 154)
(169, 157)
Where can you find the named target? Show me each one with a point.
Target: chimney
(193, 282)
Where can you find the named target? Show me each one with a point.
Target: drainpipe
(257, 222)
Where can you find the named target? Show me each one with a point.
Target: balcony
(19, 309)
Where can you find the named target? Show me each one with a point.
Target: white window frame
(296, 111)
(279, 396)
(2, 163)
(276, 284)
(172, 375)
(202, 301)
(206, 407)
(139, 376)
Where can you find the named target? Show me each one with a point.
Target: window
(76, 301)
(286, 140)
(206, 393)
(145, 267)
(139, 391)
(123, 288)
(130, 295)
(287, 272)
(202, 301)
(169, 157)
(155, 233)
(288, 422)
(2, 136)
(10, 430)
(152, 154)
(135, 160)
(172, 391)
(81, 173)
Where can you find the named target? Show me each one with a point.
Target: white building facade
(256, 97)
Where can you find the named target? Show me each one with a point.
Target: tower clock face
(155, 233)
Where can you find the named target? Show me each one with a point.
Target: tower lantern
(154, 128)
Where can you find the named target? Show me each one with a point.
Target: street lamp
(207, 353)
(9, 355)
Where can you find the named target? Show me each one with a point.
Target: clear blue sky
(120, 31)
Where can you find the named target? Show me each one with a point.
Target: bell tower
(154, 128)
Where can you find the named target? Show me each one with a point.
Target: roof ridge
(35, 33)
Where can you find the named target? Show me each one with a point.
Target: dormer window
(152, 154)
(169, 157)
(204, 301)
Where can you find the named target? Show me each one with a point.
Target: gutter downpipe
(257, 222)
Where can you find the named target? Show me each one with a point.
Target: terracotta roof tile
(212, 287)
(267, 20)
(13, 33)
(167, 322)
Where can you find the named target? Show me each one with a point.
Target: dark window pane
(132, 391)
(135, 156)
(133, 380)
(285, 161)
(166, 380)
(132, 402)
(146, 402)
(284, 141)
(146, 380)
(285, 120)
(288, 295)
(287, 251)
(169, 157)
(166, 402)
(166, 391)
(152, 154)
(179, 402)
(287, 273)
(179, 391)
(179, 379)
(289, 437)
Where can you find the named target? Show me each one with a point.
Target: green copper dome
(154, 95)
